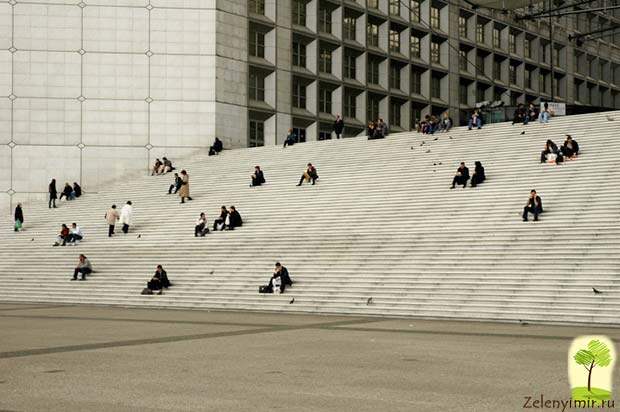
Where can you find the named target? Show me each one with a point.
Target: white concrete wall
(96, 90)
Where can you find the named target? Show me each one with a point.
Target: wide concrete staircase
(381, 223)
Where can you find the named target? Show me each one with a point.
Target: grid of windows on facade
(350, 66)
(299, 54)
(325, 60)
(256, 6)
(257, 133)
(325, 100)
(414, 13)
(299, 94)
(325, 20)
(349, 28)
(257, 43)
(299, 12)
(372, 34)
(394, 41)
(257, 85)
(350, 105)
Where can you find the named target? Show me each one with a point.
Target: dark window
(350, 66)
(350, 105)
(435, 52)
(436, 87)
(373, 108)
(372, 32)
(480, 32)
(512, 74)
(528, 48)
(299, 54)
(257, 85)
(300, 133)
(463, 60)
(373, 4)
(257, 43)
(325, 60)
(299, 12)
(257, 133)
(373, 71)
(395, 113)
(394, 77)
(463, 93)
(325, 20)
(416, 82)
(257, 6)
(415, 47)
(325, 100)
(349, 28)
(394, 41)
(512, 43)
(299, 94)
(497, 42)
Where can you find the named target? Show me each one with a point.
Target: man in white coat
(126, 213)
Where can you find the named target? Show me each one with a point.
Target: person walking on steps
(84, 267)
(126, 215)
(309, 174)
(53, 194)
(184, 190)
(111, 216)
(19, 217)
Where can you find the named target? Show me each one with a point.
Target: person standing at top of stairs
(19, 217)
(338, 126)
(184, 190)
(53, 193)
(126, 215)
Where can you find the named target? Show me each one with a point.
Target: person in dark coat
(67, 192)
(258, 177)
(291, 138)
(478, 176)
(461, 177)
(520, 115)
(234, 219)
(77, 189)
(176, 185)
(533, 206)
(570, 148)
(309, 174)
(338, 126)
(159, 281)
(53, 193)
(280, 278)
(221, 221)
(551, 147)
(218, 146)
(19, 217)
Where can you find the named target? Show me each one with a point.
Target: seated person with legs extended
(478, 176)
(291, 138)
(570, 148)
(461, 177)
(533, 206)
(83, 267)
(67, 192)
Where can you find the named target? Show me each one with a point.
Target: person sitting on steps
(551, 153)
(291, 138)
(520, 115)
(258, 178)
(533, 206)
(461, 177)
(67, 192)
(158, 164)
(570, 148)
(201, 228)
(83, 267)
(75, 234)
(478, 176)
(220, 222)
(159, 281)
(309, 174)
(166, 167)
(77, 189)
(63, 236)
(176, 185)
(233, 219)
(278, 282)
(475, 120)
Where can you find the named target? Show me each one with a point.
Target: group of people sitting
(68, 192)
(432, 124)
(71, 236)
(525, 115)
(278, 282)
(229, 219)
(553, 154)
(462, 175)
(377, 130)
(161, 167)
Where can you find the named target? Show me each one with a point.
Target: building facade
(309, 60)
(94, 90)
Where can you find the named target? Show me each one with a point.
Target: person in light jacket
(126, 215)
(84, 267)
(111, 217)
(184, 190)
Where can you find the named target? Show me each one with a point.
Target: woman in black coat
(478, 176)
(220, 220)
(53, 193)
(77, 189)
